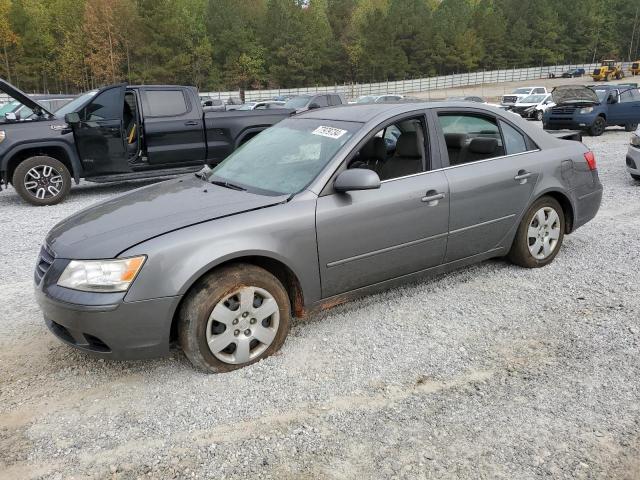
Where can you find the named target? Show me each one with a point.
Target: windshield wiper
(228, 185)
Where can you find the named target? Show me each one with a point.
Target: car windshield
(366, 99)
(9, 107)
(521, 91)
(285, 158)
(297, 102)
(602, 94)
(76, 104)
(533, 99)
(247, 106)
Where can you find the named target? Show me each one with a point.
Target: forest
(74, 45)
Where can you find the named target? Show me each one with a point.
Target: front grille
(509, 99)
(45, 259)
(563, 110)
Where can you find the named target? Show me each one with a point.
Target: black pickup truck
(119, 132)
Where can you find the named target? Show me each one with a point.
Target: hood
(22, 97)
(108, 228)
(573, 93)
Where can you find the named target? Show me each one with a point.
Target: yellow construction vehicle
(635, 68)
(608, 70)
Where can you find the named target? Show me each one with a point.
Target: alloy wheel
(242, 325)
(43, 181)
(543, 233)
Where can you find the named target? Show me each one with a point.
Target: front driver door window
(370, 236)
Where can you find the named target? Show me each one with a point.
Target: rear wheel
(630, 127)
(42, 180)
(598, 126)
(539, 235)
(234, 317)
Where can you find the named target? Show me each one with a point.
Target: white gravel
(490, 372)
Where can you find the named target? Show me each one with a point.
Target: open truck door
(99, 133)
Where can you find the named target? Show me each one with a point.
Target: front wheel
(234, 317)
(539, 115)
(598, 126)
(42, 180)
(539, 235)
(630, 127)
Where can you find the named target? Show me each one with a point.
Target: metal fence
(404, 87)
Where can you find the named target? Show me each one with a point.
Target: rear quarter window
(514, 141)
(165, 103)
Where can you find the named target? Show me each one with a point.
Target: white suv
(520, 93)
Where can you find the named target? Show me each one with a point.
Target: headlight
(586, 110)
(635, 140)
(3, 135)
(101, 275)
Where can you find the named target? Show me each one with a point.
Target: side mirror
(71, 118)
(12, 117)
(612, 98)
(313, 105)
(357, 179)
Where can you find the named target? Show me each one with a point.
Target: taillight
(591, 160)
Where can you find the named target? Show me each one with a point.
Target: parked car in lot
(633, 155)
(520, 93)
(533, 106)
(119, 133)
(15, 110)
(309, 213)
(594, 108)
(574, 73)
(468, 98)
(309, 101)
(262, 105)
(389, 98)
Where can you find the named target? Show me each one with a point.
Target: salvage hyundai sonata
(322, 207)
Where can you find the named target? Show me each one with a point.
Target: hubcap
(543, 233)
(243, 325)
(43, 181)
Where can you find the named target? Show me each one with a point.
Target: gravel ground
(489, 372)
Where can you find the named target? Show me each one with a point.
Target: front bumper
(633, 160)
(103, 324)
(123, 331)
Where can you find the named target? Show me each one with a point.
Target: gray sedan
(311, 212)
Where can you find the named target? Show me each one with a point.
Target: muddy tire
(598, 127)
(630, 127)
(233, 317)
(42, 180)
(539, 235)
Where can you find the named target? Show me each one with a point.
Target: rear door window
(164, 103)
(321, 101)
(470, 138)
(335, 100)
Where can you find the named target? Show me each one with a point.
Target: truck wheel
(42, 180)
(630, 127)
(598, 126)
(233, 317)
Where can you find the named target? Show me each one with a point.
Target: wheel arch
(56, 150)
(566, 204)
(276, 267)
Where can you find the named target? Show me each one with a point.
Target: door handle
(432, 198)
(522, 176)
(191, 123)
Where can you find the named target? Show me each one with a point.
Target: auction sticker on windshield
(329, 132)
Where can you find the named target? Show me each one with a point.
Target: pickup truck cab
(594, 108)
(520, 93)
(119, 132)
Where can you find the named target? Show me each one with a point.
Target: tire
(597, 127)
(536, 232)
(225, 290)
(630, 127)
(42, 180)
(539, 115)
(635, 177)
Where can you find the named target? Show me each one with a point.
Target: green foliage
(72, 45)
